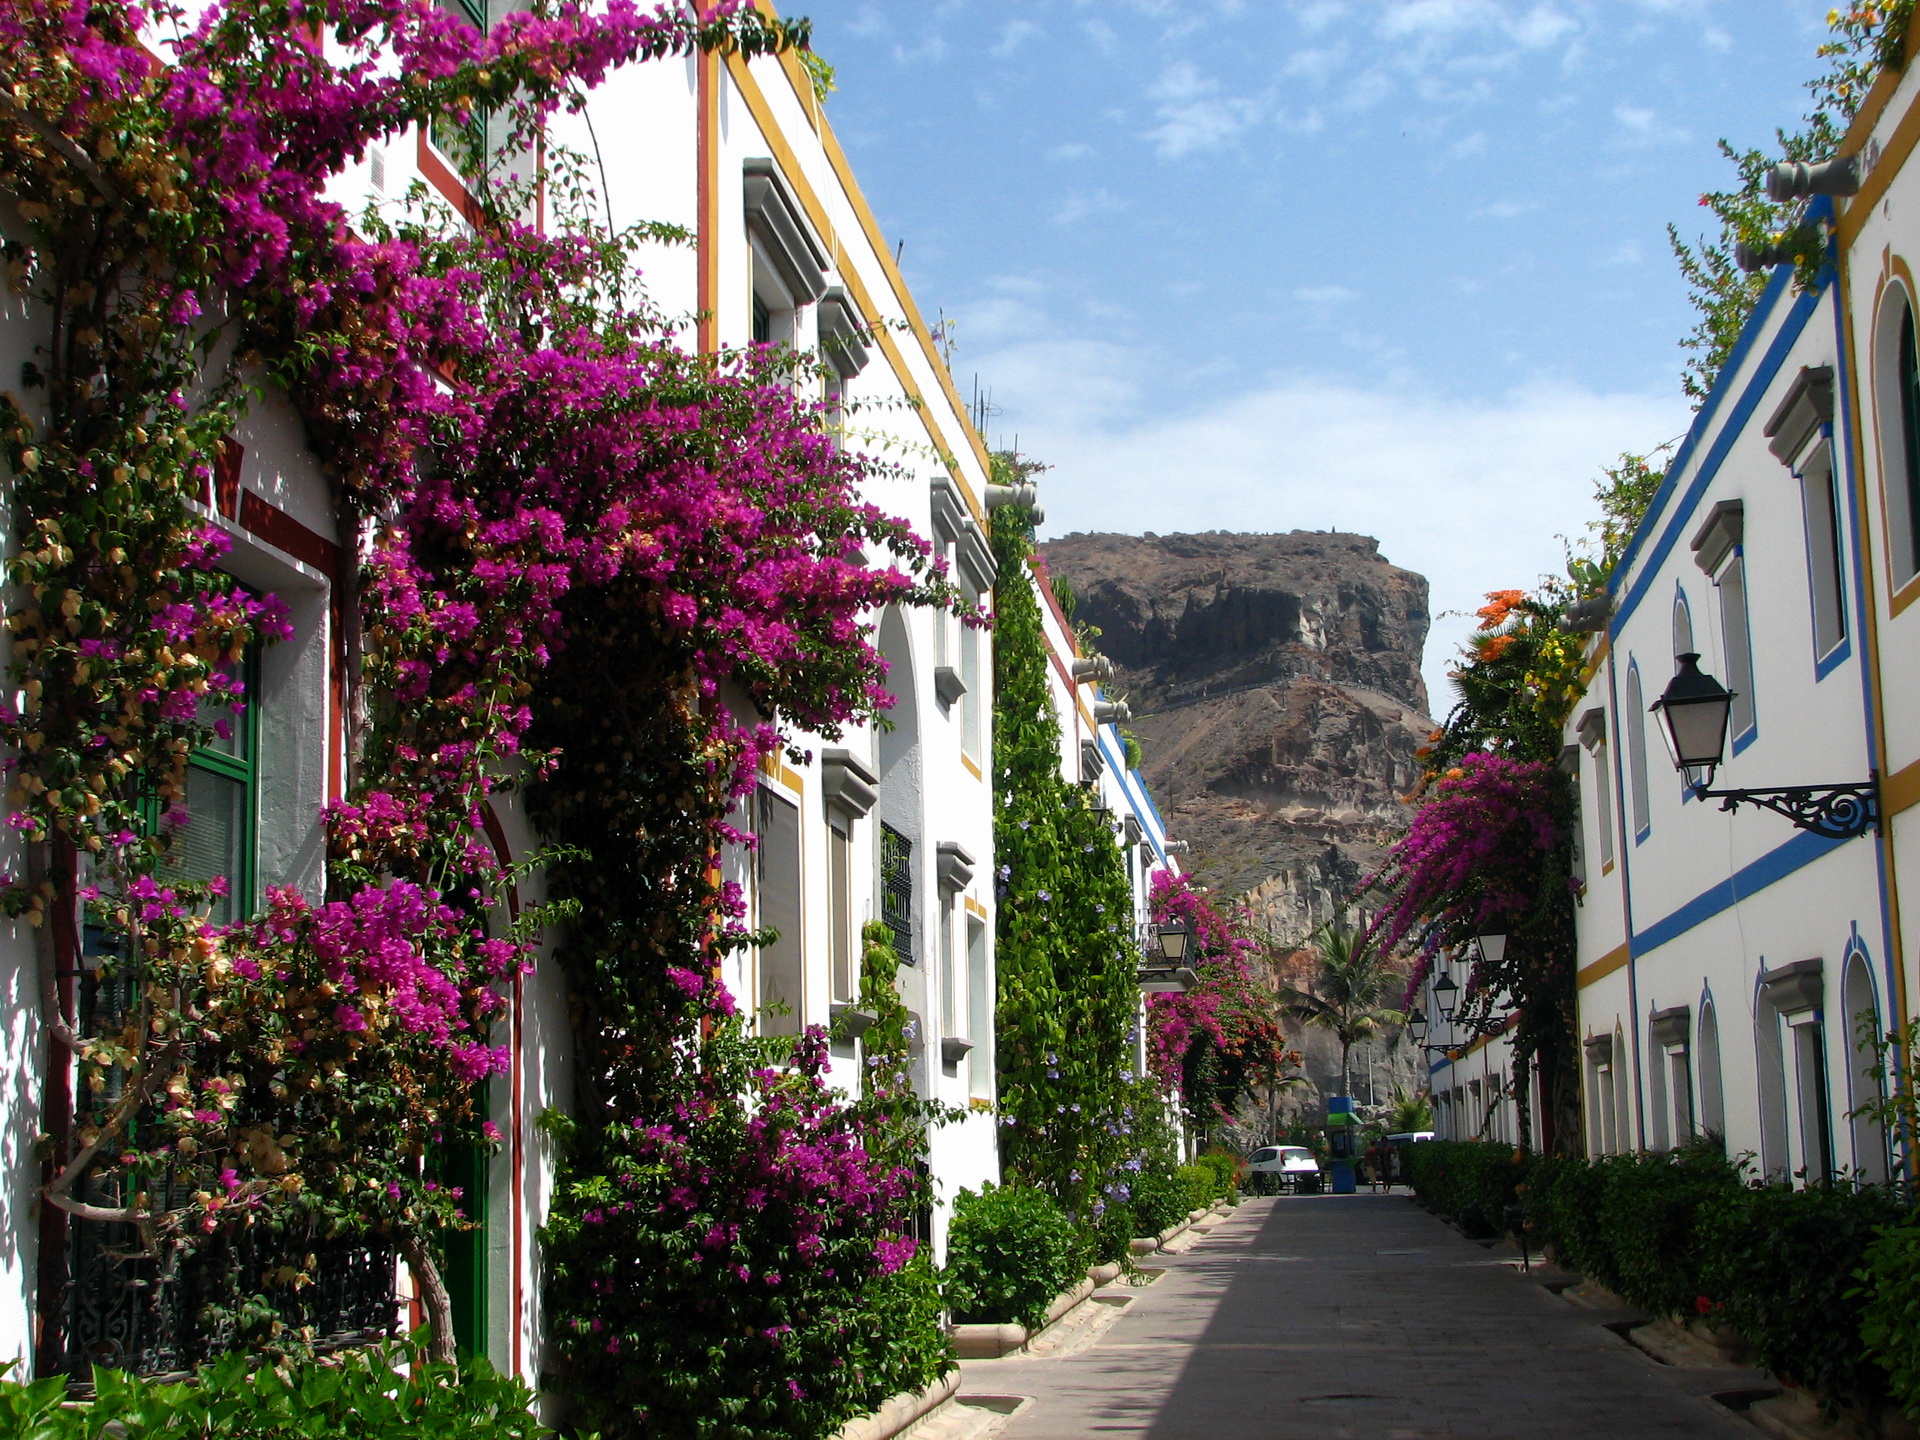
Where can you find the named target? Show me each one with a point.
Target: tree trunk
(433, 1296)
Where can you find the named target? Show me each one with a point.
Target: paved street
(1314, 1317)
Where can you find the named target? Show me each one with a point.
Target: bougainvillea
(1217, 1041)
(1072, 1107)
(538, 478)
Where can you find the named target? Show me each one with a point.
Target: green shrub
(1650, 1208)
(1798, 1273)
(1226, 1171)
(1158, 1198)
(1890, 1308)
(1469, 1181)
(362, 1396)
(1199, 1184)
(1010, 1250)
(1779, 1267)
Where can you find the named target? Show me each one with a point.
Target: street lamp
(1693, 712)
(1173, 942)
(1417, 1025)
(1446, 995)
(1493, 946)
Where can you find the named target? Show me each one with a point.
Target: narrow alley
(1352, 1316)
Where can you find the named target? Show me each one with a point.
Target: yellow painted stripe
(763, 116)
(1900, 790)
(1899, 145)
(967, 760)
(976, 908)
(1613, 960)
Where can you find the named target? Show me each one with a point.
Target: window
(215, 838)
(789, 265)
(464, 144)
(1713, 1107)
(896, 890)
(1810, 1094)
(1736, 638)
(1602, 789)
(777, 888)
(1717, 550)
(1863, 1029)
(949, 988)
(1821, 501)
(1637, 753)
(970, 677)
(1682, 629)
(840, 898)
(1671, 1034)
(979, 1011)
(1902, 478)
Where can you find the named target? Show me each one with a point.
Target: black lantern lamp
(1166, 971)
(1693, 712)
(1446, 994)
(1417, 1025)
(1173, 942)
(1493, 947)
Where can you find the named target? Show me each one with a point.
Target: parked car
(1285, 1167)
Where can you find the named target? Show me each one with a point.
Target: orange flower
(1491, 647)
(1499, 605)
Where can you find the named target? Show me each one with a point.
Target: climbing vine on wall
(1072, 1108)
(539, 478)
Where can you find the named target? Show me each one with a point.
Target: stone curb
(991, 1342)
(902, 1410)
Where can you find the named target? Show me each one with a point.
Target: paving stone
(1287, 1323)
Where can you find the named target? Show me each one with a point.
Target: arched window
(1706, 1064)
(1682, 628)
(1623, 1093)
(1636, 728)
(1863, 1030)
(1900, 431)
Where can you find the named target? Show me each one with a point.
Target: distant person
(1376, 1167)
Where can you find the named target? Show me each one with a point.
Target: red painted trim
(283, 532)
(437, 174)
(226, 476)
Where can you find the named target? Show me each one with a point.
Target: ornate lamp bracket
(1835, 812)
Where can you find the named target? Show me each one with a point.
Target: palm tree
(1348, 991)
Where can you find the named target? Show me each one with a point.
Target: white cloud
(1015, 34)
(1509, 209)
(1077, 150)
(1627, 252)
(1469, 493)
(1642, 127)
(1079, 204)
(1192, 115)
(1324, 294)
(1470, 146)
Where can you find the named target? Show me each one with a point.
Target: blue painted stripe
(1778, 863)
(1704, 420)
(1819, 208)
(1133, 787)
(1730, 432)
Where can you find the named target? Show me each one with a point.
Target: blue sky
(1394, 266)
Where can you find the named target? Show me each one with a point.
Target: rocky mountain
(1275, 684)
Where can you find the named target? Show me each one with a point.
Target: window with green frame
(464, 145)
(217, 837)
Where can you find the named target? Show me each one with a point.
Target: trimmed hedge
(1010, 1251)
(1685, 1235)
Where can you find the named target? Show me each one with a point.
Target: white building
(893, 824)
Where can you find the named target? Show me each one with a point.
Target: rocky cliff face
(1275, 684)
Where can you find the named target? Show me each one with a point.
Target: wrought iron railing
(161, 1314)
(896, 890)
